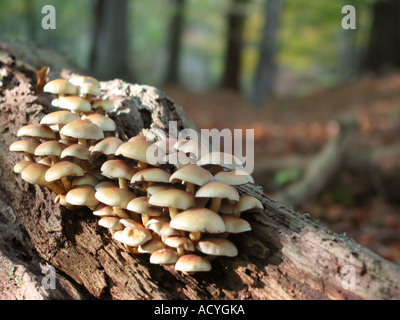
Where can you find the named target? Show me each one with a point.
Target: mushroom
(164, 256)
(152, 245)
(191, 175)
(61, 171)
(26, 146)
(103, 210)
(59, 119)
(234, 177)
(192, 263)
(217, 191)
(173, 199)
(177, 159)
(140, 205)
(103, 105)
(105, 123)
(235, 225)
(117, 198)
(78, 80)
(107, 146)
(74, 104)
(82, 196)
(35, 174)
(87, 90)
(112, 223)
(181, 244)
(198, 221)
(36, 132)
(118, 169)
(133, 236)
(83, 130)
(79, 153)
(147, 177)
(136, 150)
(194, 149)
(247, 203)
(18, 167)
(217, 161)
(60, 87)
(52, 149)
(217, 247)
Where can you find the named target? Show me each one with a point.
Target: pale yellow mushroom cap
(82, 196)
(193, 174)
(60, 86)
(115, 197)
(74, 103)
(164, 256)
(192, 263)
(198, 219)
(217, 247)
(217, 189)
(82, 129)
(174, 198)
(39, 131)
(63, 169)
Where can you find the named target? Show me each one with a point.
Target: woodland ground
(300, 127)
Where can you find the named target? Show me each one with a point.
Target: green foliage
(343, 197)
(283, 177)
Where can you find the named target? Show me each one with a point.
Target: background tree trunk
(383, 51)
(285, 256)
(234, 46)
(265, 71)
(175, 41)
(109, 55)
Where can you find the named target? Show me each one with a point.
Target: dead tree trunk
(285, 256)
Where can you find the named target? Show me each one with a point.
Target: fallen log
(285, 256)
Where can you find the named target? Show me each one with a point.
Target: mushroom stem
(173, 212)
(99, 110)
(28, 156)
(55, 188)
(84, 165)
(201, 202)
(82, 142)
(195, 236)
(145, 218)
(141, 165)
(132, 250)
(190, 187)
(54, 160)
(123, 183)
(121, 213)
(67, 184)
(215, 204)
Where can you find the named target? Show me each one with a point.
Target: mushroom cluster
(180, 210)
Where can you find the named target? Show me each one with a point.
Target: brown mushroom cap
(151, 175)
(235, 225)
(78, 80)
(115, 197)
(103, 210)
(35, 174)
(117, 169)
(107, 146)
(193, 174)
(59, 117)
(105, 123)
(105, 105)
(221, 159)
(217, 247)
(247, 203)
(174, 198)
(88, 88)
(86, 180)
(27, 146)
(63, 169)
(39, 131)
(163, 256)
(18, 167)
(82, 129)
(50, 148)
(217, 189)
(193, 148)
(133, 236)
(157, 187)
(234, 177)
(198, 220)
(74, 104)
(60, 87)
(192, 263)
(76, 151)
(136, 149)
(111, 223)
(179, 242)
(82, 196)
(141, 205)
(152, 245)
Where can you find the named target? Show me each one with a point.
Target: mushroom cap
(103, 210)
(193, 174)
(111, 223)
(234, 177)
(82, 129)
(35, 174)
(235, 225)
(174, 198)
(60, 86)
(18, 167)
(104, 122)
(152, 245)
(151, 175)
(193, 148)
(115, 197)
(130, 223)
(158, 220)
(217, 247)
(221, 159)
(107, 146)
(180, 242)
(192, 263)
(46, 160)
(74, 103)
(59, 117)
(36, 131)
(198, 219)
(246, 203)
(82, 196)
(166, 145)
(63, 169)
(28, 146)
(89, 88)
(78, 80)
(164, 256)
(85, 180)
(217, 189)
(106, 105)
(117, 169)
(50, 148)
(77, 151)
(133, 236)
(141, 205)
(136, 149)
(177, 159)
(157, 187)
(105, 184)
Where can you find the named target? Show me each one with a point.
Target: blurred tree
(175, 40)
(109, 55)
(233, 51)
(265, 71)
(383, 50)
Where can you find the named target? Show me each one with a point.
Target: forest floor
(300, 127)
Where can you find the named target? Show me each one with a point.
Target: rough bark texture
(285, 256)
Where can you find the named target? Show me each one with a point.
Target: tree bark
(285, 256)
